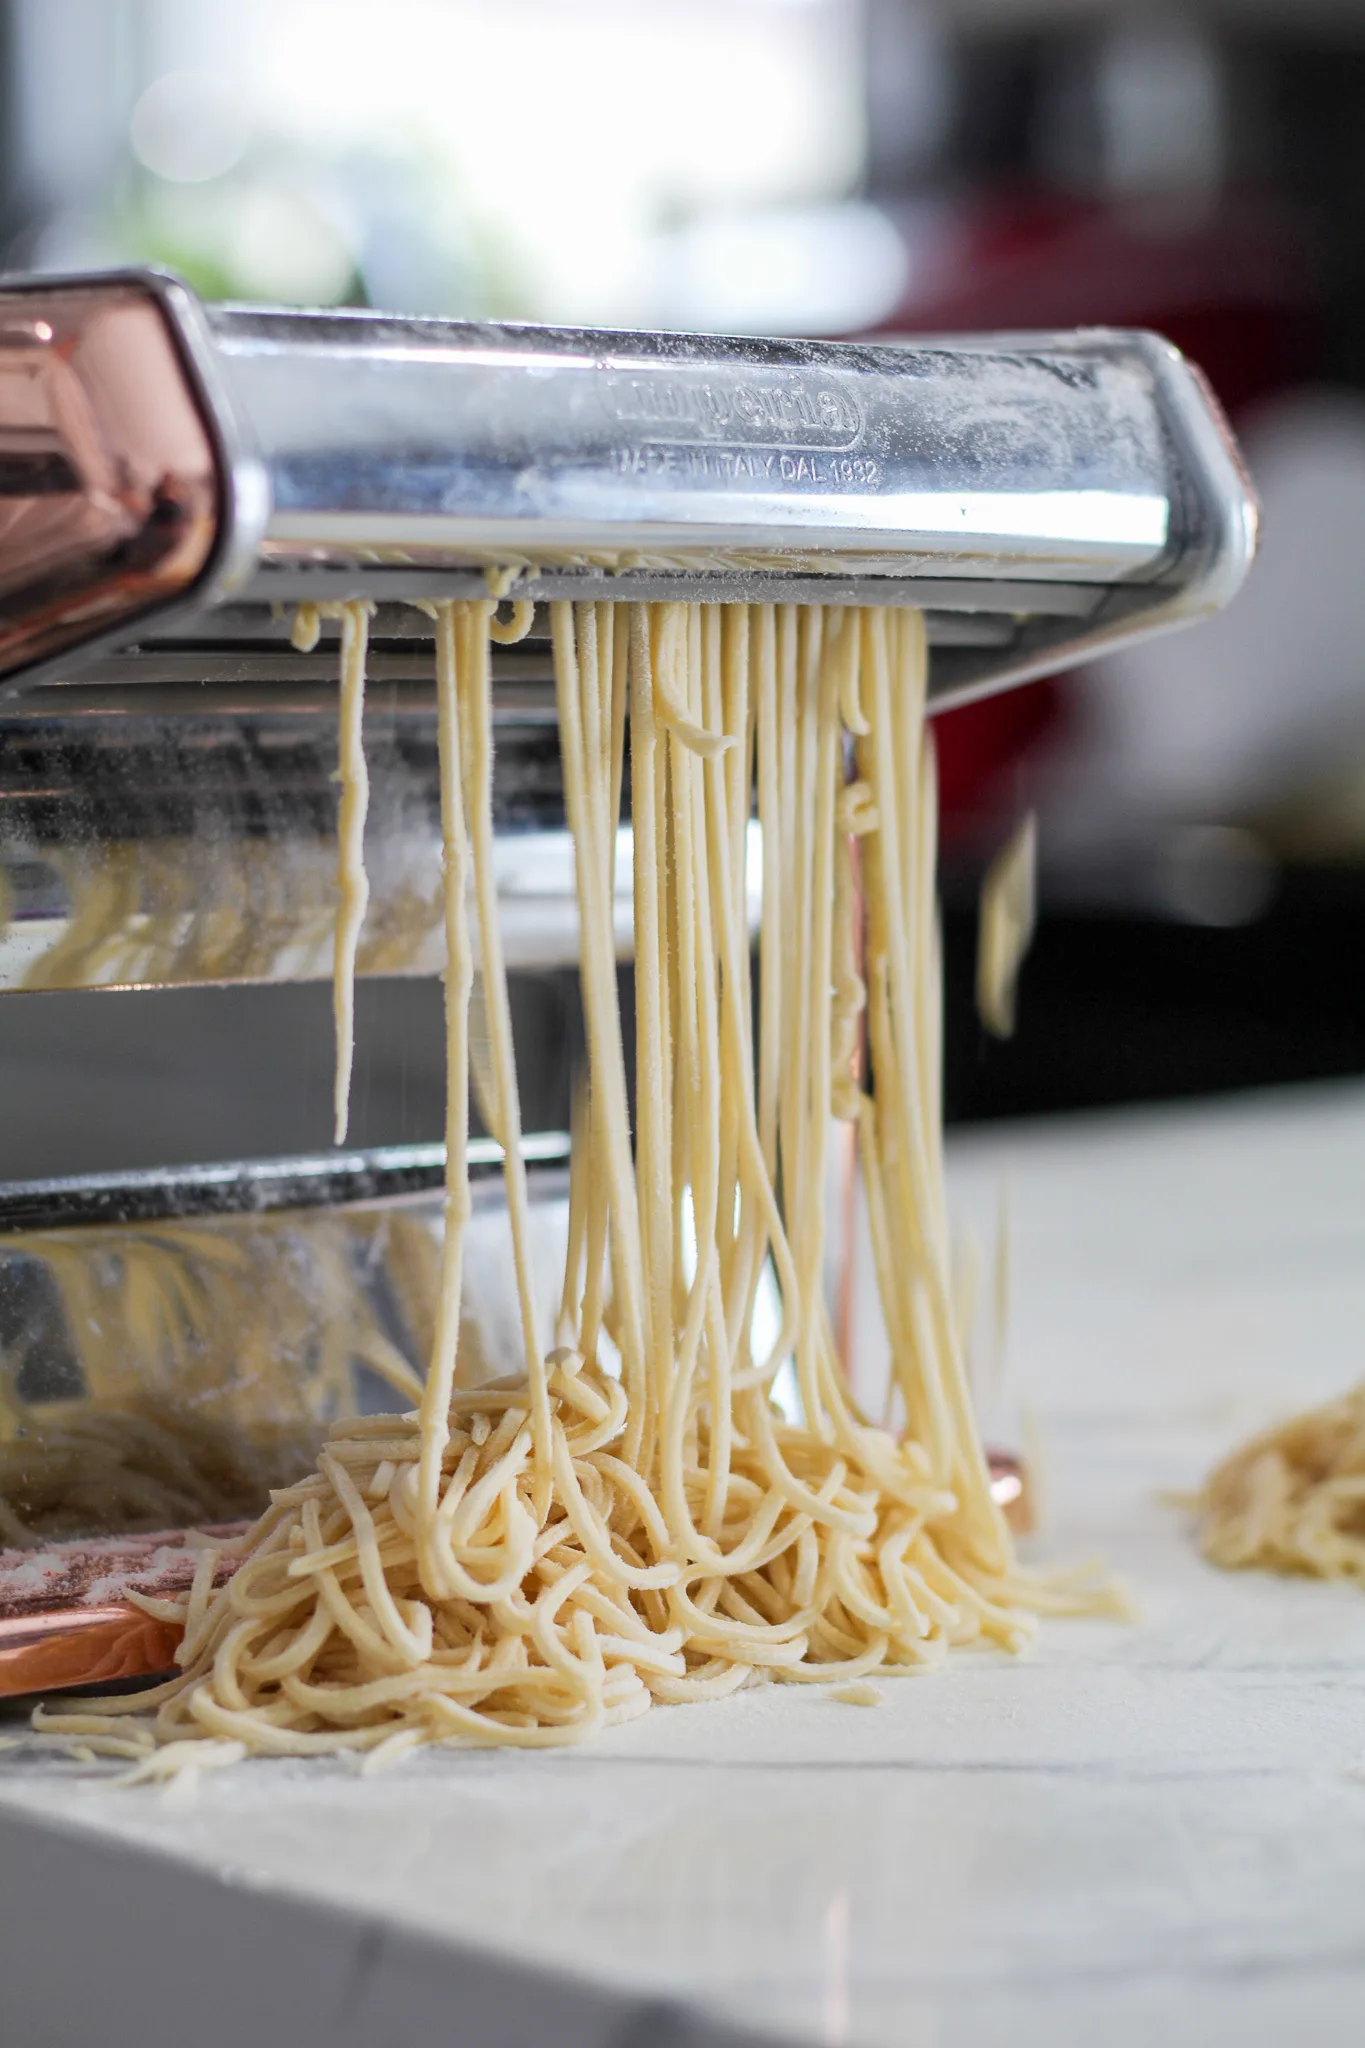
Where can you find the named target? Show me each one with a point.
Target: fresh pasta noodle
(1293, 1499)
(1008, 915)
(628, 1517)
(353, 888)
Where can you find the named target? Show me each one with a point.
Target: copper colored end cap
(110, 487)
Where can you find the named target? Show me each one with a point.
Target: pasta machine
(176, 478)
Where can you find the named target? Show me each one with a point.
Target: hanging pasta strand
(476, 709)
(459, 975)
(653, 1134)
(601, 1011)
(353, 887)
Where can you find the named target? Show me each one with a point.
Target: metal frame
(372, 454)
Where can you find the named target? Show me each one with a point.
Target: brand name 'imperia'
(759, 412)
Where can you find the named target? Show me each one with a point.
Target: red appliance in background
(1232, 282)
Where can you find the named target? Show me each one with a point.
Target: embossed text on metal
(757, 411)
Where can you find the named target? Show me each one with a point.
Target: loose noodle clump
(1293, 1499)
(630, 1518)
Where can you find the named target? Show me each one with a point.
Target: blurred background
(823, 167)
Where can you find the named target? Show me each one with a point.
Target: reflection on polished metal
(110, 487)
(362, 454)
(194, 840)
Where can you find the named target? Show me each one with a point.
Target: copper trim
(63, 1622)
(110, 486)
(98, 1648)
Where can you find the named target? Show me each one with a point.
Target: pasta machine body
(176, 478)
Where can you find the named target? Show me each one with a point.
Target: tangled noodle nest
(630, 1518)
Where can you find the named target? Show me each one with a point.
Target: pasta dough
(1293, 1499)
(630, 1518)
(353, 888)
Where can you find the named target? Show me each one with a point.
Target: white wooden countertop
(1138, 1834)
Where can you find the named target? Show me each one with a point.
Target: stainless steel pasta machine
(176, 477)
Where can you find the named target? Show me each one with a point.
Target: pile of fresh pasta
(1293, 1498)
(630, 1517)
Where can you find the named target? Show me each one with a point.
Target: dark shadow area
(1139, 1010)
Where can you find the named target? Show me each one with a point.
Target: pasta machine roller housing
(1038, 495)
(175, 477)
